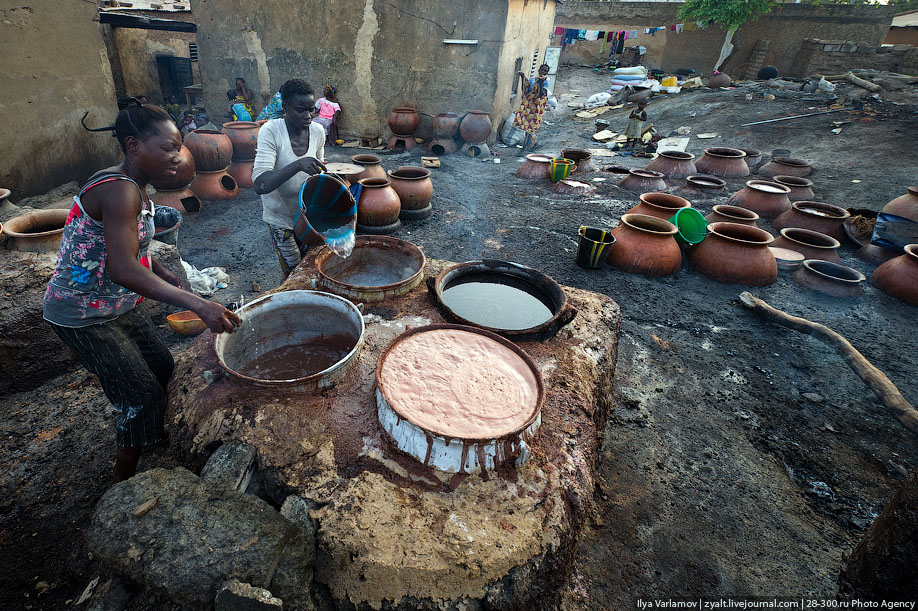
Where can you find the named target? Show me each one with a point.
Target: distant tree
(730, 14)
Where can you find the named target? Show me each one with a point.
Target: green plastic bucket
(691, 224)
(561, 168)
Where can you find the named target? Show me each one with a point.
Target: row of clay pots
(386, 197)
(726, 162)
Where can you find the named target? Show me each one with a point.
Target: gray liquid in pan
(499, 301)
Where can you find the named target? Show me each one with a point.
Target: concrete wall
(54, 68)
(829, 57)
(380, 53)
(137, 51)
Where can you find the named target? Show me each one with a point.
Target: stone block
(296, 509)
(848, 48)
(230, 467)
(237, 596)
(830, 48)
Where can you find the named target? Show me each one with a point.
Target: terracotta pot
(212, 150)
(583, 160)
(753, 157)
(673, 164)
(401, 143)
(414, 187)
(378, 207)
(800, 188)
(767, 199)
(183, 175)
(899, 277)
(824, 218)
(244, 136)
(36, 231)
(720, 79)
(475, 126)
(241, 170)
(212, 186)
(871, 253)
(829, 278)
(645, 245)
(661, 205)
(786, 166)
(445, 125)
(724, 162)
(725, 213)
(707, 185)
(535, 167)
(184, 200)
(403, 120)
(905, 206)
(371, 166)
(642, 181)
(810, 244)
(736, 254)
(442, 146)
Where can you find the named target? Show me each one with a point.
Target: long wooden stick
(856, 80)
(884, 389)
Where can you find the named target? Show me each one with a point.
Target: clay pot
(707, 185)
(371, 166)
(899, 277)
(535, 167)
(212, 150)
(378, 207)
(661, 205)
(184, 200)
(184, 174)
(36, 231)
(872, 253)
(583, 160)
(673, 164)
(829, 278)
(241, 170)
(475, 126)
(905, 206)
(786, 166)
(212, 186)
(753, 157)
(414, 189)
(736, 254)
(732, 214)
(244, 136)
(445, 125)
(442, 146)
(800, 188)
(720, 79)
(767, 199)
(824, 218)
(645, 245)
(573, 187)
(403, 120)
(724, 162)
(401, 143)
(642, 181)
(810, 244)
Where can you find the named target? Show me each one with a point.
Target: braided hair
(137, 120)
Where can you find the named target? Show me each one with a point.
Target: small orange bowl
(186, 323)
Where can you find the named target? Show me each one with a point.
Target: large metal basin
(378, 268)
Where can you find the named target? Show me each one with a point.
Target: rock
(814, 397)
(230, 467)
(237, 596)
(296, 509)
(112, 595)
(170, 258)
(197, 537)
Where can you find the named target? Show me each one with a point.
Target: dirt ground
(742, 458)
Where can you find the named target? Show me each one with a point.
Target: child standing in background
(329, 109)
(636, 121)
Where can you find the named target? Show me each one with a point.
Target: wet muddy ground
(742, 457)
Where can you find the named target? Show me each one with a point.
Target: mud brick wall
(817, 56)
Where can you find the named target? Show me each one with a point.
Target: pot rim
(366, 159)
(451, 115)
(736, 212)
(583, 153)
(719, 229)
(812, 264)
(833, 243)
(374, 183)
(539, 158)
(641, 173)
(677, 155)
(49, 213)
(476, 112)
(756, 185)
(372, 241)
(425, 173)
(706, 181)
(405, 109)
(751, 152)
(240, 125)
(911, 250)
(792, 162)
(207, 131)
(724, 152)
(662, 230)
(798, 182)
(665, 196)
(842, 214)
(4, 193)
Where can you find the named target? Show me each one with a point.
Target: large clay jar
(211, 186)
(212, 150)
(244, 136)
(536, 167)
(736, 254)
(767, 199)
(673, 164)
(36, 231)
(829, 278)
(241, 170)
(661, 205)
(445, 125)
(645, 245)
(724, 162)
(378, 207)
(753, 157)
(824, 218)
(475, 126)
(642, 181)
(705, 185)
(371, 166)
(810, 244)
(899, 277)
(415, 190)
(184, 200)
(800, 188)
(786, 166)
(403, 120)
(725, 213)
(583, 160)
(184, 174)
(905, 206)
(720, 79)
(877, 255)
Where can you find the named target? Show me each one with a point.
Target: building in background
(904, 30)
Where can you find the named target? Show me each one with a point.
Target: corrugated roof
(166, 6)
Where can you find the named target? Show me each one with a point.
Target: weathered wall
(54, 68)
(380, 53)
(137, 52)
(837, 56)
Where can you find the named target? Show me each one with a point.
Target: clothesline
(616, 39)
